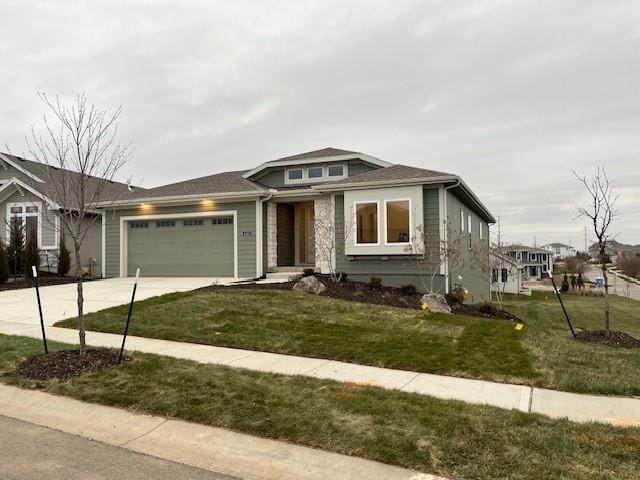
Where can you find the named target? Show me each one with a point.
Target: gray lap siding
(247, 233)
(395, 270)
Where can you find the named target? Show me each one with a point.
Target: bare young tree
(325, 240)
(80, 157)
(601, 213)
(429, 254)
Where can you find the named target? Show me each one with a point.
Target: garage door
(199, 246)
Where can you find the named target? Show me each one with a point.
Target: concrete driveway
(19, 307)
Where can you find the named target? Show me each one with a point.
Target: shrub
(565, 284)
(487, 308)
(64, 258)
(4, 264)
(31, 255)
(307, 272)
(375, 283)
(16, 246)
(409, 289)
(580, 281)
(455, 298)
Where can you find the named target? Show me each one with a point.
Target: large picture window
(367, 223)
(398, 221)
(27, 217)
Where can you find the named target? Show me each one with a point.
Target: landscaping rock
(436, 303)
(310, 285)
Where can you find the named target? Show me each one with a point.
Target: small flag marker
(519, 326)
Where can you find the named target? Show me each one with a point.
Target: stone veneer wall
(272, 236)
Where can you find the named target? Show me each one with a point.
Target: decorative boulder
(310, 285)
(435, 302)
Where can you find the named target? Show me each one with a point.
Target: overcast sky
(512, 95)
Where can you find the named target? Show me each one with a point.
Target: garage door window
(193, 222)
(222, 221)
(165, 223)
(139, 225)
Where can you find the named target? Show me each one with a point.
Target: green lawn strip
(301, 324)
(449, 438)
(577, 366)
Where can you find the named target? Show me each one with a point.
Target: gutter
(183, 198)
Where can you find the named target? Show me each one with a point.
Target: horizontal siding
(246, 222)
(395, 270)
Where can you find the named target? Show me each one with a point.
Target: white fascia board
(16, 182)
(308, 161)
(181, 199)
(8, 161)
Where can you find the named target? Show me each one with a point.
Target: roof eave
(7, 160)
(183, 198)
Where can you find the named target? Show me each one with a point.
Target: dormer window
(315, 172)
(295, 174)
(336, 171)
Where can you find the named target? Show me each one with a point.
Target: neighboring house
(245, 224)
(560, 251)
(506, 273)
(535, 261)
(26, 198)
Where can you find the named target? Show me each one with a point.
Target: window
(461, 220)
(138, 224)
(469, 229)
(193, 222)
(294, 174)
(336, 170)
(31, 209)
(481, 229)
(165, 223)
(366, 223)
(494, 275)
(222, 221)
(532, 256)
(398, 221)
(27, 216)
(16, 210)
(505, 275)
(315, 172)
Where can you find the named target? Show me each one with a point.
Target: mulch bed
(614, 339)
(389, 296)
(43, 280)
(65, 364)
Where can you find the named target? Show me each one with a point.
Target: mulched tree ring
(615, 339)
(65, 364)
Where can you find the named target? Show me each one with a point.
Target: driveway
(19, 309)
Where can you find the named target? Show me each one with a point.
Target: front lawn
(448, 438)
(299, 324)
(302, 324)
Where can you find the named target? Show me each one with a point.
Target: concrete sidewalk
(207, 448)
(619, 411)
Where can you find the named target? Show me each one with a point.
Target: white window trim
(355, 223)
(305, 174)
(385, 221)
(24, 214)
(461, 220)
(125, 228)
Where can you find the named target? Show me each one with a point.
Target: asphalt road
(617, 286)
(30, 452)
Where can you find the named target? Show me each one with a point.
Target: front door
(305, 234)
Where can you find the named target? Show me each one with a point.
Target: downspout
(446, 234)
(260, 233)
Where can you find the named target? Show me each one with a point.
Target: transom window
(295, 174)
(222, 221)
(398, 221)
(314, 173)
(367, 223)
(336, 171)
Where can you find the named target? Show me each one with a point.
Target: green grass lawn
(296, 323)
(449, 438)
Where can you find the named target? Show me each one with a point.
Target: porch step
(284, 276)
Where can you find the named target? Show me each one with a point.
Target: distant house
(535, 261)
(506, 273)
(560, 251)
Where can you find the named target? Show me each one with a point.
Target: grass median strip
(435, 436)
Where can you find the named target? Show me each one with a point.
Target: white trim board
(219, 213)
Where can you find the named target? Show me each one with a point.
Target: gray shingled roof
(323, 152)
(110, 190)
(395, 172)
(225, 182)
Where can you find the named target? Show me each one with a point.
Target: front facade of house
(331, 210)
(506, 274)
(536, 262)
(560, 251)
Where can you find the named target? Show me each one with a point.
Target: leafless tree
(325, 239)
(80, 156)
(430, 255)
(601, 213)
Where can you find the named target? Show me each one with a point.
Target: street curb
(208, 448)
